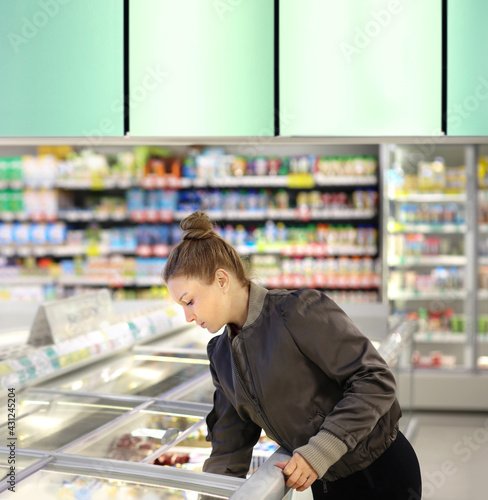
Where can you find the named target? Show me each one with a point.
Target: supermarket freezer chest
(150, 371)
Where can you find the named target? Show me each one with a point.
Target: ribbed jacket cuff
(322, 451)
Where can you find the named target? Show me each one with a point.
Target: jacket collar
(257, 294)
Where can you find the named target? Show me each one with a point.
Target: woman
(291, 363)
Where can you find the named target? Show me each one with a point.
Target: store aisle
(453, 454)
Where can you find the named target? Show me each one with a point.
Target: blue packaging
(168, 199)
(21, 233)
(38, 234)
(56, 233)
(6, 234)
(152, 200)
(135, 199)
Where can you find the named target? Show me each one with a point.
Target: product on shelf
(427, 213)
(418, 244)
(142, 194)
(439, 280)
(431, 177)
(435, 359)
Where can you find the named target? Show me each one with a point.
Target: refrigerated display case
(426, 197)
(76, 435)
(136, 373)
(42, 484)
(433, 249)
(482, 249)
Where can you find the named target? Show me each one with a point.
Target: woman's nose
(189, 316)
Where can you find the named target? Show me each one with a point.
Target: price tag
(287, 280)
(149, 182)
(160, 250)
(274, 282)
(134, 330)
(166, 215)
(144, 251)
(174, 182)
(93, 249)
(5, 368)
(303, 214)
(301, 181)
(65, 319)
(320, 280)
(116, 281)
(97, 182)
(151, 215)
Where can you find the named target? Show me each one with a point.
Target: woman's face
(203, 303)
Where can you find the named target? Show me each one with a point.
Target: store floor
(453, 453)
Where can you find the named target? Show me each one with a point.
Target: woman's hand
(299, 473)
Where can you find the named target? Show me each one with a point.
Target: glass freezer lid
(47, 485)
(192, 338)
(143, 374)
(199, 393)
(147, 431)
(50, 421)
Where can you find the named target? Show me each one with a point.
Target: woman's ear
(223, 280)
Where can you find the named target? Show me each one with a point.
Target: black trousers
(395, 475)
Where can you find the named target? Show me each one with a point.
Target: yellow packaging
(432, 176)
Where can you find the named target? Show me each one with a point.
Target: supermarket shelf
(24, 217)
(428, 260)
(483, 294)
(241, 181)
(26, 280)
(169, 182)
(447, 337)
(430, 198)
(483, 228)
(440, 336)
(286, 214)
(342, 180)
(483, 261)
(310, 250)
(110, 281)
(168, 216)
(395, 227)
(91, 215)
(447, 295)
(96, 183)
(365, 282)
(143, 281)
(306, 250)
(60, 251)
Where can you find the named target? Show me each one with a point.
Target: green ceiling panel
(361, 67)
(61, 68)
(201, 68)
(467, 67)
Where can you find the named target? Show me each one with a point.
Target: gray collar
(257, 294)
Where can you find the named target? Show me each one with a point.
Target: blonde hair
(201, 252)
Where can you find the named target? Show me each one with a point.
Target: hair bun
(197, 226)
